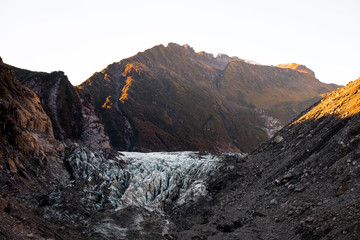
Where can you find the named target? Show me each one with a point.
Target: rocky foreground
(302, 184)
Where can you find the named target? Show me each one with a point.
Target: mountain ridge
(218, 96)
(196, 101)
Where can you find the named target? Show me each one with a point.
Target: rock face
(29, 157)
(172, 98)
(71, 111)
(304, 183)
(25, 125)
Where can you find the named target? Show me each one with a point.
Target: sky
(83, 37)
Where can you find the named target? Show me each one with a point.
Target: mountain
(33, 143)
(71, 111)
(30, 164)
(172, 98)
(304, 183)
(26, 128)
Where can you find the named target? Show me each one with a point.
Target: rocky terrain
(61, 179)
(71, 111)
(30, 165)
(172, 98)
(302, 184)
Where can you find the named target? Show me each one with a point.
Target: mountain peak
(219, 62)
(172, 44)
(205, 54)
(296, 67)
(187, 46)
(176, 46)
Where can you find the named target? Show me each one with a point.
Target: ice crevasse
(152, 181)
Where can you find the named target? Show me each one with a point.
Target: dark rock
(300, 189)
(288, 176)
(227, 228)
(70, 110)
(309, 219)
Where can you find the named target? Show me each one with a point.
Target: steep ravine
(128, 129)
(52, 105)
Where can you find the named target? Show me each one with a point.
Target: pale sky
(82, 37)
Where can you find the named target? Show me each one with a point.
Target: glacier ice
(154, 181)
(160, 179)
(130, 194)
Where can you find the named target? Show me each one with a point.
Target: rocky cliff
(71, 111)
(172, 98)
(30, 164)
(26, 128)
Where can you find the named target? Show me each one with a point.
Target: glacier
(131, 193)
(153, 181)
(161, 179)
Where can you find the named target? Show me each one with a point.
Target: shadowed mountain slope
(172, 98)
(304, 183)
